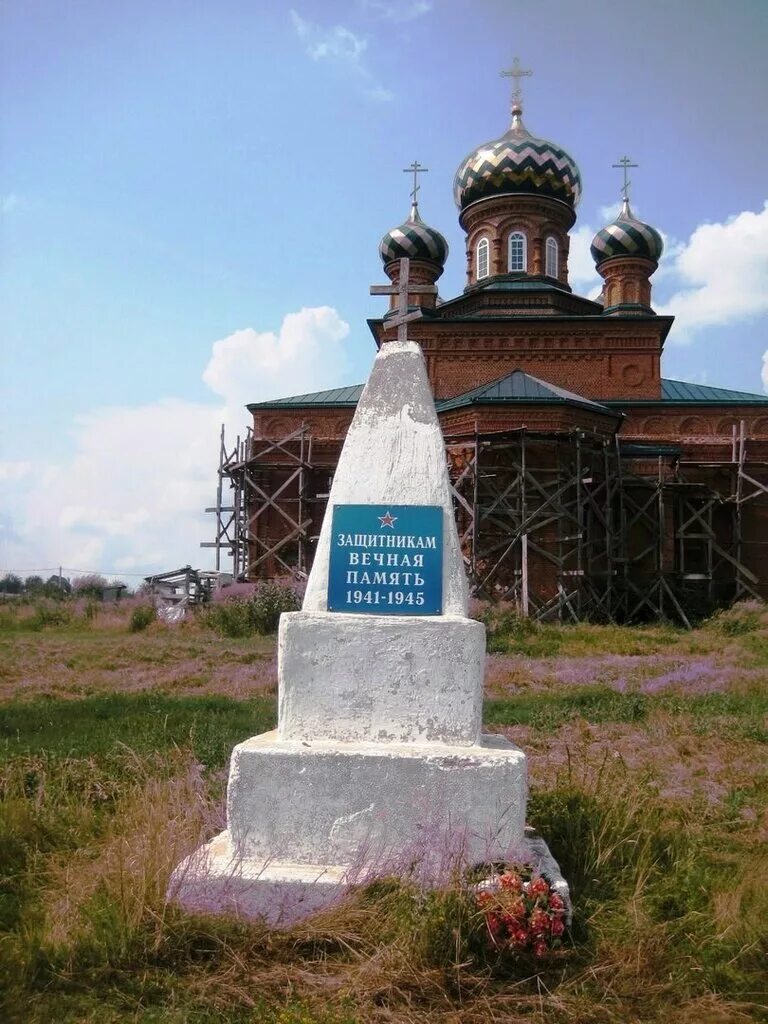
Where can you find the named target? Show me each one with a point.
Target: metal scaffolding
(564, 525)
(536, 518)
(274, 490)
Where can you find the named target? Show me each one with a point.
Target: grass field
(647, 757)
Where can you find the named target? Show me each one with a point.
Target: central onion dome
(415, 240)
(518, 162)
(627, 236)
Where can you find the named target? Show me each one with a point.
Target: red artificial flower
(540, 922)
(523, 913)
(538, 887)
(515, 907)
(494, 924)
(510, 880)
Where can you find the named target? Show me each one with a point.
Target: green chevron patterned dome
(627, 236)
(413, 239)
(517, 162)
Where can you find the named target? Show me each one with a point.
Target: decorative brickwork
(598, 358)
(536, 217)
(627, 289)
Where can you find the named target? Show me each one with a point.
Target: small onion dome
(413, 239)
(517, 162)
(627, 236)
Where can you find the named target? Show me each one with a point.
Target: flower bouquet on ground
(519, 912)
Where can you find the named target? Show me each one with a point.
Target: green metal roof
(683, 391)
(522, 387)
(521, 284)
(348, 396)
(519, 387)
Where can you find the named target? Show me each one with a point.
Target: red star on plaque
(388, 520)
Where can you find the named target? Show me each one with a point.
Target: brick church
(586, 483)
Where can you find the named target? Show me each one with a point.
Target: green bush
(230, 618)
(51, 613)
(740, 619)
(260, 613)
(268, 604)
(142, 616)
(91, 585)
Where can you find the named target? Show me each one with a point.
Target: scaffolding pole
(563, 525)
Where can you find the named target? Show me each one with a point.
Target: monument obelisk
(378, 756)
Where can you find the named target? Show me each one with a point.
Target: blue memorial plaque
(386, 560)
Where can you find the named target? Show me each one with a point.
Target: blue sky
(179, 178)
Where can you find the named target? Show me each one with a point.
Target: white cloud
(397, 10)
(765, 371)
(15, 470)
(582, 273)
(379, 93)
(718, 277)
(341, 46)
(581, 267)
(250, 365)
(131, 497)
(608, 213)
(668, 263)
(723, 275)
(337, 43)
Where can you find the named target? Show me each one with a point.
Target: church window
(482, 258)
(551, 258)
(518, 251)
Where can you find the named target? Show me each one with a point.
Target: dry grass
(102, 656)
(658, 822)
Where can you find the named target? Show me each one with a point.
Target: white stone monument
(378, 758)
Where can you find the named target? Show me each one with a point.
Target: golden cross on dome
(517, 73)
(415, 169)
(626, 163)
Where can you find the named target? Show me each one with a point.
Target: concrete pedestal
(367, 678)
(347, 803)
(216, 879)
(305, 819)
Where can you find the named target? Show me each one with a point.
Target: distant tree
(127, 592)
(90, 585)
(11, 584)
(57, 586)
(34, 585)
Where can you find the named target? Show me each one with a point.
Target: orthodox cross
(626, 163)
(402, 318)
(517, 73)
(415, 169)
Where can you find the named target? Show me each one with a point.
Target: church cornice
(507, 204)
(610, 332)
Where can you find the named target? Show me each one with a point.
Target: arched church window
(518, 252)
(550, 267)
(483, 250)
